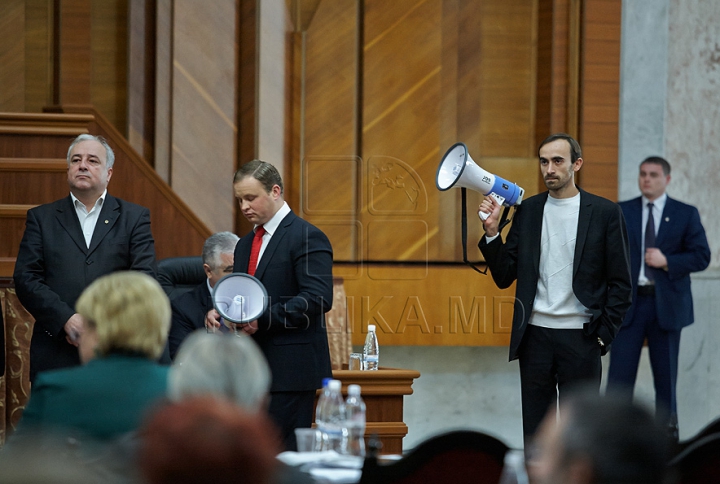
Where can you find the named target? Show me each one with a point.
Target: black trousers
(551, 361)
(289, 411)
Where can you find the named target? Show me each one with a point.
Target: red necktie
(255, 250)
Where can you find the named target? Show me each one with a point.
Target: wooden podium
(383, 393)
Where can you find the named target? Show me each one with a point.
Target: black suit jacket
(681, 238)
(296, 270)
(601, 264)
(188, 314)
(54, 265)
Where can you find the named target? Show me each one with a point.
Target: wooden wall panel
(247, 92)
(400, 128)
(73, 54)
(507, 78)
(273, 83)
(599, 105)
(141, 77)
(459, 308)
(26, 55)
(163, 88)
(204, 115)
(109, 51)
(431, 73)
(38, 54)
(552, 72)
(328, 180)
(331, 58)
(12, 55)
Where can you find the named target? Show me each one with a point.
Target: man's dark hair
(263, 172)
(658, 160)
(575, 150)
(622, 440)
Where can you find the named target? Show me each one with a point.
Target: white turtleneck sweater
(555, 303)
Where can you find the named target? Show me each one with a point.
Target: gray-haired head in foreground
(216, 244)
(110, 154)
(621, 439)
(228, 366)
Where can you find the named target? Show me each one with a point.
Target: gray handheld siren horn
(239, 298)
(457, 169)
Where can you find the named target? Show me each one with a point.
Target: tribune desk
(383, 391)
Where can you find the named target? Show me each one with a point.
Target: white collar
(98, 202)
(273, 223)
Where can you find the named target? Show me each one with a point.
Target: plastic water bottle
(320, 413)
(333, 413)
(355, 422)
(371, 350)
(514, 469)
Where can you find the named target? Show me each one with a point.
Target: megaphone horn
(457, 169)
(239, 298)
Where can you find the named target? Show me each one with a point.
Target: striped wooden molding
(33, 164)
(44, 124)
(14, 211)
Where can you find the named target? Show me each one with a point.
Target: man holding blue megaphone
(568, 251)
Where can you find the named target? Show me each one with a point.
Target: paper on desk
(335, 475)
(328, 458)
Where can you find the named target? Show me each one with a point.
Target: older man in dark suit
(567, 249)
(71, 242)
(293, 260)
(667, 243)
(189, 309)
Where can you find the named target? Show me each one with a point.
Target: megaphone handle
(504, 219)
(464, 232)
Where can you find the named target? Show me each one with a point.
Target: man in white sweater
(568, 251)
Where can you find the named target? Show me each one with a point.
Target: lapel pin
(667, 219)
(107, 222)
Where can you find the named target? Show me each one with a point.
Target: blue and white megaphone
(457, 169)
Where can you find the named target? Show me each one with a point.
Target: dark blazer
(601, 265)
(188, 314)
(54, 266)
(681, 238)
(103, 399)
(296, 270)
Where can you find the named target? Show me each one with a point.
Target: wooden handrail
(33, 164)
(14, 210)
(45, 124)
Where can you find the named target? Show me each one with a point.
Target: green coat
(103, 399)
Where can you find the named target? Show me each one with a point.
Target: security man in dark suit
(69, 243)
(568, 251)
(293, 260)
(667, 243)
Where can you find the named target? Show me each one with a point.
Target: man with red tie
(293, 260)
(667, 243)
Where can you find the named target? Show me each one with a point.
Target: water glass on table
(355, 362)
(308, 439)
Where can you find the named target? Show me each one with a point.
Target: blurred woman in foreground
(127, 319)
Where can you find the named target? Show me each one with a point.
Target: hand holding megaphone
(489, 213)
